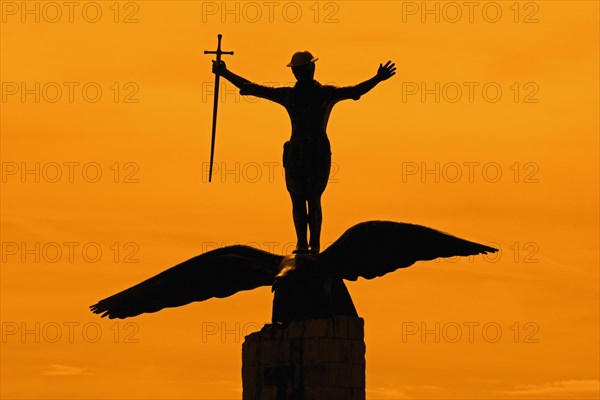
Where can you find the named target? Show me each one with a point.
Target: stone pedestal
(322, 359)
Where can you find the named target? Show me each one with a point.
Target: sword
(218, 52)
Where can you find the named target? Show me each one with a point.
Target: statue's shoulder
(326, 87)
(328, 90)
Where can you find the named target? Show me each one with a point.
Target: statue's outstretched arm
(248, 88)
(384, 72)
(222, 70)
(355, 92)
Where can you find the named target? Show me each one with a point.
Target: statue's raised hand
(386, 71)
(218, 68)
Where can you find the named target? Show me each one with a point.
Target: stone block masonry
(307, 360)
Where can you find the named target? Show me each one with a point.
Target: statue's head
(303, 66)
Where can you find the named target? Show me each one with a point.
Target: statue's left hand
(386, 71)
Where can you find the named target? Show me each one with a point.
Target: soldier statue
(307, 155)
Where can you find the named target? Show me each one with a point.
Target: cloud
(386, 393)
(400, 391)
(559, 388)
(64, 370)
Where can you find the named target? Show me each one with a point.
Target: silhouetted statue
(305, 286)
(307, 155)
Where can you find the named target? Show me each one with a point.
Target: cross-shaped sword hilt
(218, 52)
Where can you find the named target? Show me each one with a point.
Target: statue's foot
(301, 250)
(314, 250)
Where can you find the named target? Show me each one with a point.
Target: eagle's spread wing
(218, 273)
(374, 248)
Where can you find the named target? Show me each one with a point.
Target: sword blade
(214, 127)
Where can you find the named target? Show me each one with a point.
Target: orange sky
(149, 135)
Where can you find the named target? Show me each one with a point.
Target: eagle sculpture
(304, 286)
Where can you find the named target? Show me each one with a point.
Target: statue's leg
(321, 168)
(315, 220)
(297, 181)
(300, 216)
